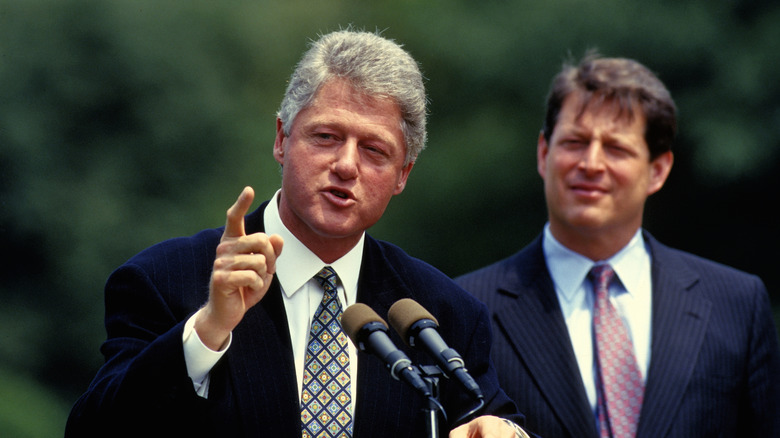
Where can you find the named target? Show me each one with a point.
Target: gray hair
(375, 66)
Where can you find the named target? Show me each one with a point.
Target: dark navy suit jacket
(143, 388)
(714, 368)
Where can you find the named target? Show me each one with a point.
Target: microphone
(368, 332)
(418, 328)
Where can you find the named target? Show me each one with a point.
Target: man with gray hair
(224, 334)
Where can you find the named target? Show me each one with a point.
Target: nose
(592, 159)
(346, 162)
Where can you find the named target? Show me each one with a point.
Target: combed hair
(374, 66)
(616, 81)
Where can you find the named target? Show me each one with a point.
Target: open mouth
(339, 194)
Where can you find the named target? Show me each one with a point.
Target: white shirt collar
(569, 269)
(630, 262)
(298, 264)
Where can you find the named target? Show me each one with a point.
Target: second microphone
(419, 329)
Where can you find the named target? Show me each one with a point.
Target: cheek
(297, 174)
(632, 182)
(379, 189)
(557, 167)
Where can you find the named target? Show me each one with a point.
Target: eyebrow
(573, 129)
(335, 125)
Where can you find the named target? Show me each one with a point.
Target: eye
(374, 149)
(323, 138)
(573, 142)
(619, 150)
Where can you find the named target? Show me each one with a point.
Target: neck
(328, 249)
(595, 245)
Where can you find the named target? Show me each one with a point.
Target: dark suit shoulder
(398, 275)
(190, 247)
(417, 274)
(199, 246)
(694, 271)
(401, 260)
(512, 273)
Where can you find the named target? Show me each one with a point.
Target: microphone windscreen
(405, 312)
(355, 317)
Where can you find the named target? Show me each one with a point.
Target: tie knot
(601, 275)
(327, 278)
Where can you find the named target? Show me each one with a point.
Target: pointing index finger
(234, 226)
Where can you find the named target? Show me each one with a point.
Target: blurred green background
(123, 123)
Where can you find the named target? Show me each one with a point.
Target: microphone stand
(431, 375)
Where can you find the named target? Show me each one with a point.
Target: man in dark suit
(701, 350)
(209, 335)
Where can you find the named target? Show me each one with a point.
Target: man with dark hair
(224, 334)
(602, 331)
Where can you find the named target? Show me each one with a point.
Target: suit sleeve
(475, 350)
(763, 371)
(143, 385)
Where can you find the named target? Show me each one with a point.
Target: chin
(338, 231)
(588, 222)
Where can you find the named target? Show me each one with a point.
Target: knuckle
(225, 246)
(221, 263)
(219, 277)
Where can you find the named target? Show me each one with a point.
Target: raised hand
(243, 270)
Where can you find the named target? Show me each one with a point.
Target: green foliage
(123, 123)
(28, 410)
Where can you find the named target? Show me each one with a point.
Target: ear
(279, 143)
(402, 179)
(659, 171)
(542, 148)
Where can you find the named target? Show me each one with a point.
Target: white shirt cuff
(199, 358)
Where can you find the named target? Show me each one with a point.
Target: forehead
(339, 104)
(340, 93)
(581, 110)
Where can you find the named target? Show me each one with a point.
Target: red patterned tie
(621, 389)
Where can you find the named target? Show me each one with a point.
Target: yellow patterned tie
(326, 399)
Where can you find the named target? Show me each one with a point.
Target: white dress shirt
(301, 294)
(631, 295)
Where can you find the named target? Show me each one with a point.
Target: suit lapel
(680, 318)
(263, 369)
(534, 324)
(379, 287)
(261, 362)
